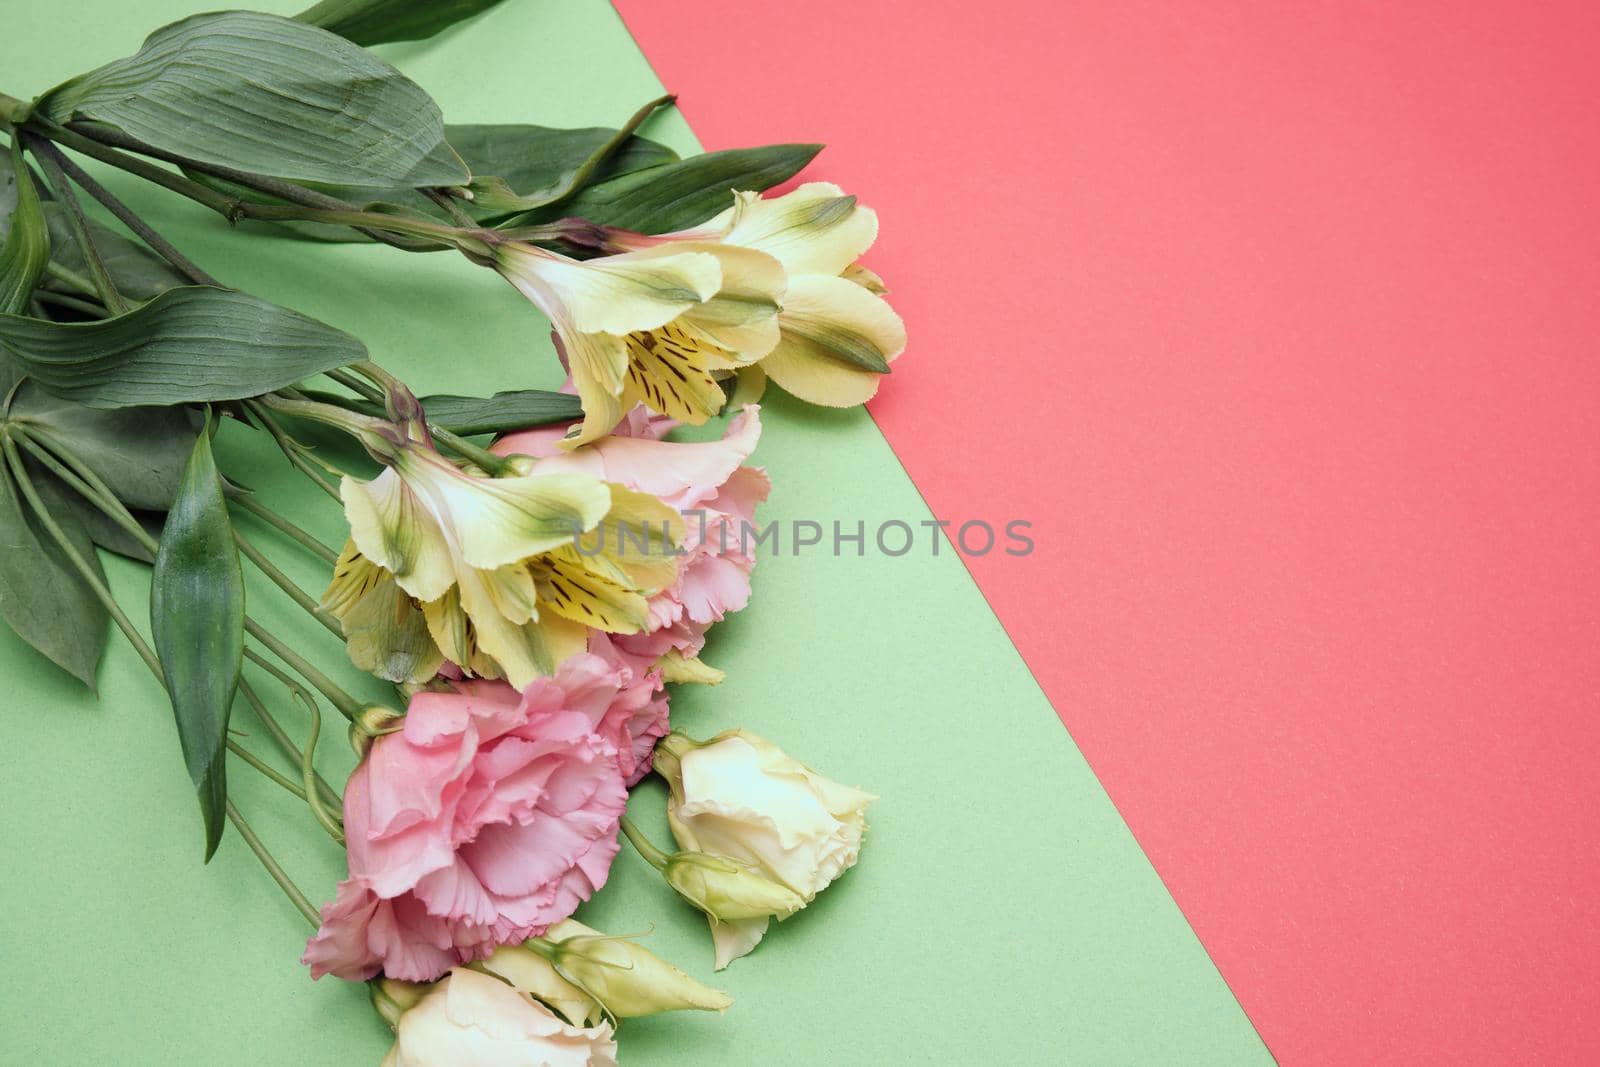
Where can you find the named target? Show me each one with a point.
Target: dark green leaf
(197, 620)
(518, 162)
(267, 95)
(518, 409)
(139, 452)
(540, 159)
(138, 272)
(42, 596)
(370, 22)
(188, 345)
(27, 245)
(679, 195)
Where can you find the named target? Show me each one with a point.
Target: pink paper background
(1279, 322)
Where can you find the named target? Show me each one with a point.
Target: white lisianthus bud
(739, 797)
(471, 1019)
(625, 977)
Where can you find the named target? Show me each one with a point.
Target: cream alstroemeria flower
(837, 334)
(503, 576)
(739, 797)
(656, 326)
(473, 1020)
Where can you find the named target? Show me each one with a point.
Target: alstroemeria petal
(833, 330)
(633, 291)
(599, 366)
(816, 229)
(395, 530)
(497, 521)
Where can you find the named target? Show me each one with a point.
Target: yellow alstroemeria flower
(656, 325)
(837, 333)
(503, 576)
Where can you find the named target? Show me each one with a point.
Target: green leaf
(188, 345)
(517, 409)
(27, 246)
(197, 620)
(137, 272)
(139, 452)
(267, 95)
(369, 22)
(42, 596)
(676, 196)
(519, 163)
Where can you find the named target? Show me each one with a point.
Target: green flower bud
(626, 977)
(727, 892)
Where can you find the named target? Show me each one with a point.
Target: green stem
(78, 222)
(228, 206)
(158, 244)
(279, 734)
(72, 278)
(652, 855)
(308, 774)
(83, 481)
(285, 883)
(348, 706)
(255, 761)
(283, 525)
(45, 296)
(351, 422)
(287, 584)
(292, 450)
(356, 385)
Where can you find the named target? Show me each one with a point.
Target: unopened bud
(726, 891)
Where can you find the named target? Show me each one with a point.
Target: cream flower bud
(739, 797)
(624, 976)
(726, 891)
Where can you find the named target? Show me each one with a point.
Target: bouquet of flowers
(531, 571)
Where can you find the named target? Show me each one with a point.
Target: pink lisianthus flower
(708, 483)
(490, 816)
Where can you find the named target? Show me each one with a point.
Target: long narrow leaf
(678, 195)
(26, 251)
(188, 345)
(197, 619)
(369, 22)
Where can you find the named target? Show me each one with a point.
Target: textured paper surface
(1002, 913)
(1279, 319)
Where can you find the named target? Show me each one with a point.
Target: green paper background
(1001, 913)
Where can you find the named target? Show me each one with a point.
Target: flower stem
(285, 583)
(292, 450)
(45, 296)
(50, 160)
(285, 883)
(256, 761)
(72, 278)
(652, 855)
(160, 245)
(283, 525)
(279, 735)
(356, 385)
(348, 706)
